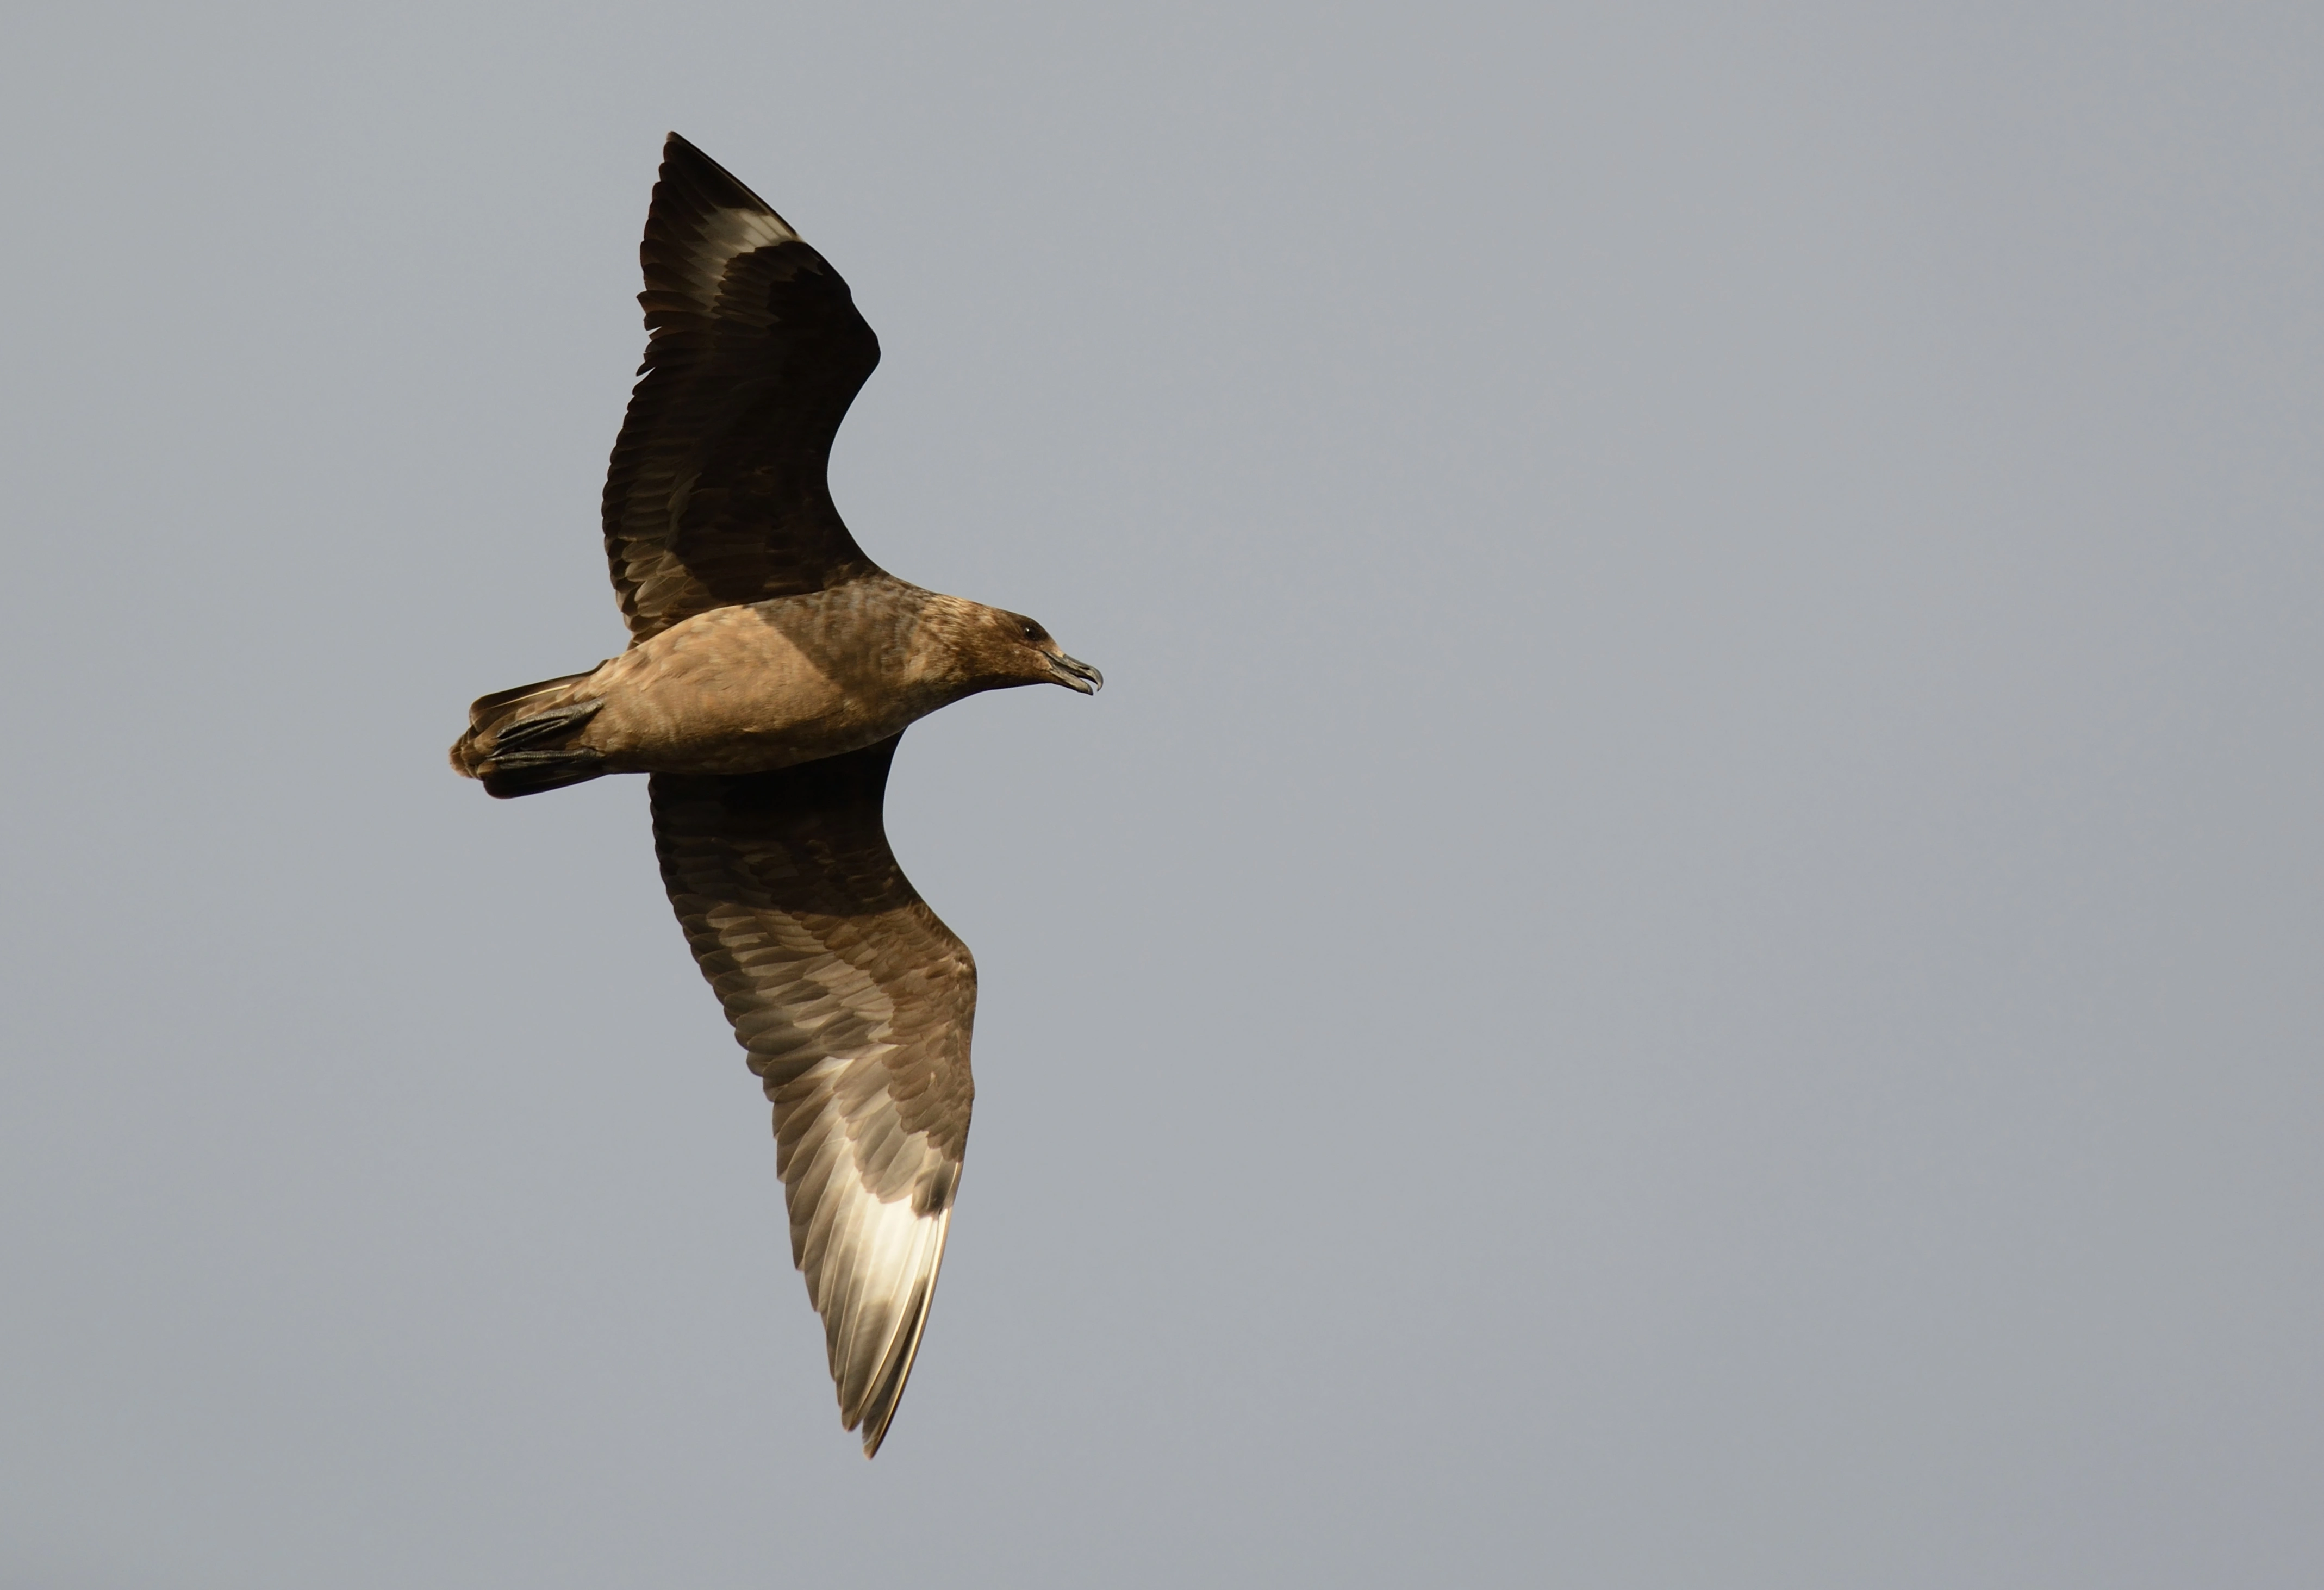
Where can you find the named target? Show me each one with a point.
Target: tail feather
(524, 772)
(512, 745)
(543, 728)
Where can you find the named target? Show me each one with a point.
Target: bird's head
(991, 649)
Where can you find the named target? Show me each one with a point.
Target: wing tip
(886, 1392)
(682, 160)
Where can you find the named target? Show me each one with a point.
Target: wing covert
(854, 1004)
(718, 493)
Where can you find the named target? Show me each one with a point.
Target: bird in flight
(772, 669)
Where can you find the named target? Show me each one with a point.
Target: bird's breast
(744, 690)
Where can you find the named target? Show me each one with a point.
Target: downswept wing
(854, 1003)
(716, 493)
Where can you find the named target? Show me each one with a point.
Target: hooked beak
(1075, 675)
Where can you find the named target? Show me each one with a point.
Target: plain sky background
(1682, 953)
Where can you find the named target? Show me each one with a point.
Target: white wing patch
(726, 235)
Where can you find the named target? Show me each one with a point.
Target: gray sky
(1683, 952)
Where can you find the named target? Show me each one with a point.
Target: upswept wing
(716, 494)
(854, 1003)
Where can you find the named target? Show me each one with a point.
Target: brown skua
(772, 669)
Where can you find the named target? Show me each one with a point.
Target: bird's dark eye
(1033, 631)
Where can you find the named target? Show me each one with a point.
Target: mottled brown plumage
(770, 671)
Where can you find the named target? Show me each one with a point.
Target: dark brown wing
(716, 494)
(854, 1003)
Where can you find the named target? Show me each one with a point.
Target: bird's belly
(728, 693)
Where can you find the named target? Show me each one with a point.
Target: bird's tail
(519, 741)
